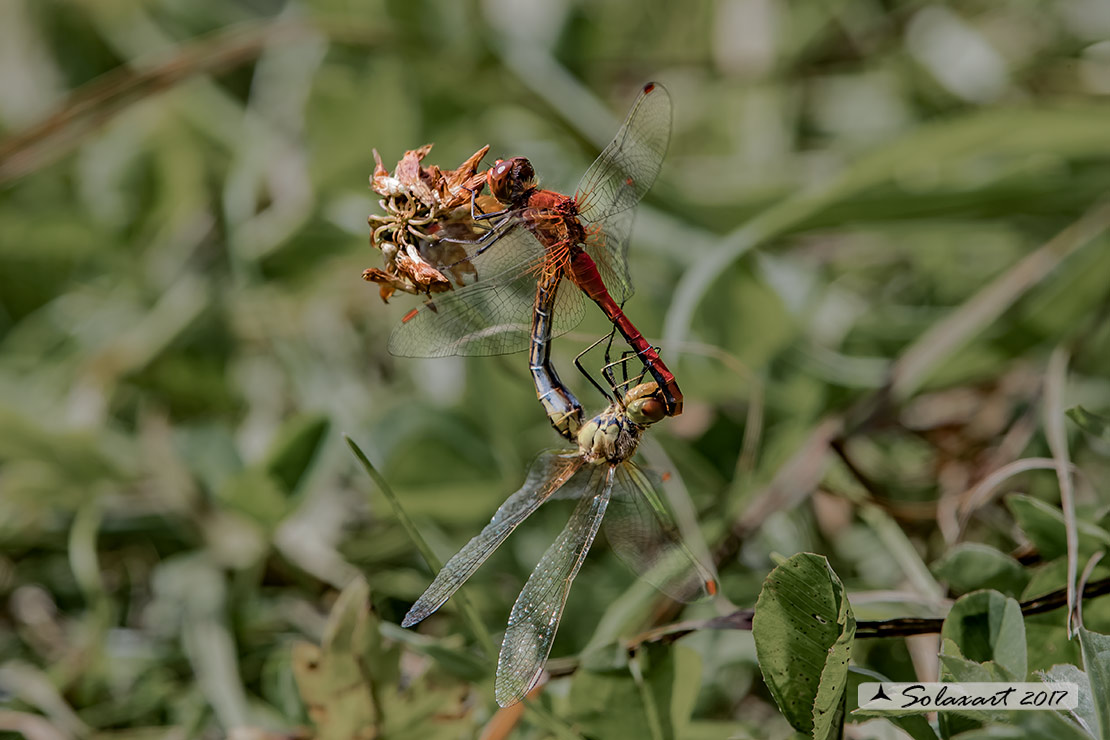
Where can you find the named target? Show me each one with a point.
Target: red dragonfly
(541, 236)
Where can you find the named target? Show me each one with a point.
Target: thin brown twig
(862, 478)
(868, 629)
(741, 619)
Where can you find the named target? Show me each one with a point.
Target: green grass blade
(469, 612)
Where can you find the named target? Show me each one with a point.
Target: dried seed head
(422, 205)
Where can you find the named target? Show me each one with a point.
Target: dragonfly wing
(645, 537)
(618, 179)
(538, 609)
(569, 308)
(548, 474)
(491, 315)
(607, 244)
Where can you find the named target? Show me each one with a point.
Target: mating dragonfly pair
(523, 267)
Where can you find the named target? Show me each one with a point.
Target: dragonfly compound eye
(646, 411)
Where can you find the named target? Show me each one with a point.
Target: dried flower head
(422, 205)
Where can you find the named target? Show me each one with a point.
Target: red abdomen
(583, 271)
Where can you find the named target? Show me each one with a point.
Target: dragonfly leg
(581, 368)
(626, 381)
(476, 213)
(487, 240)
(607, 369)
(491, 231)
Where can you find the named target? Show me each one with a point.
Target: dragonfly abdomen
(583, 271)
(562, 408)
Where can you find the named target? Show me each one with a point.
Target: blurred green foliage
(875, 224)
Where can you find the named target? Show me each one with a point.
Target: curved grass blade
(469, 613)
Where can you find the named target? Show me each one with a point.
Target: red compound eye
(653, 410)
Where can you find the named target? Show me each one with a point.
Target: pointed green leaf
(255, 493)
(1087, 712)
(1090, 422)
(294, 448)
(971, 566)
(1043, 524)
(1096, 663)
(338, 681)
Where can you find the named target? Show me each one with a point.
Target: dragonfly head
(510, 179)
(644, 404)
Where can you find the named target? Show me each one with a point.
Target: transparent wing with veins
(550, 472)
(538, 609)
(607, 244)
(493, 315)
(618, 180)
(628, 166)
(643, 534)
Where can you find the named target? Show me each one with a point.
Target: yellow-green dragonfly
(611, 490)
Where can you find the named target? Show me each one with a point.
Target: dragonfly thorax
(609, 437)
(614, 434)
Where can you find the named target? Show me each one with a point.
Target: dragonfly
(611, 491)
(541, 239)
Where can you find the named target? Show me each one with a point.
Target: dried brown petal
(457, 185)
(413, 266)
(387, 284)
(413, 177)
(423, 205)
(382, 182)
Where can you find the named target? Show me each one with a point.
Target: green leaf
(1015, 724)
(1086, 711)
(1027, 725)
(987, 627)
(687, 682)
(1096, 662)
(1090, 422)
(803, 629)
(971, 566)
(294, 448)
(1043, 524)
(715, 730)
(956, 667)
